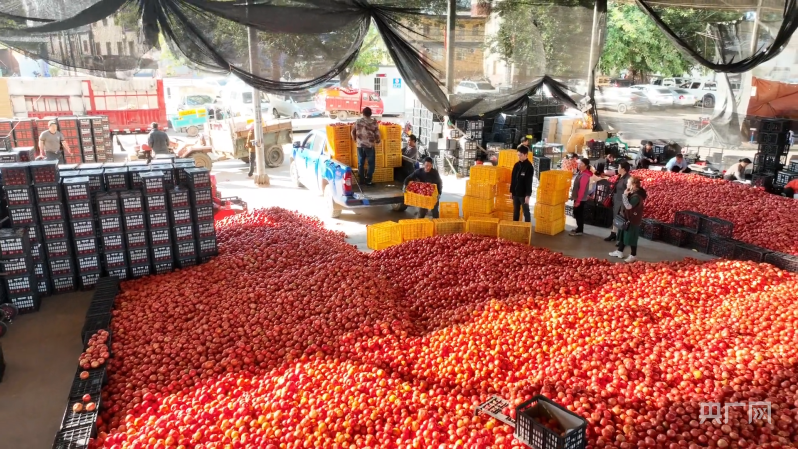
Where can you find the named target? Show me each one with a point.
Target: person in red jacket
(579, 194)
(791, 188)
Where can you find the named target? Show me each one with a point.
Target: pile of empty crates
(68, 225)
(89, 138)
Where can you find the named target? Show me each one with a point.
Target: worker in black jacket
(521, 184)
(427, 174)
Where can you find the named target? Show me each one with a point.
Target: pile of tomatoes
(292, 338)
(422, 188)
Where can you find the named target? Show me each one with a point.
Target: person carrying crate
(429, 175)
(521, 184)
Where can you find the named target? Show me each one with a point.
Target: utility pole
(451, 16)
(261, 178)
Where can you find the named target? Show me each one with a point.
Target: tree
(371, 56)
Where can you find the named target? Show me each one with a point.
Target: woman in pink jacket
(579, 193)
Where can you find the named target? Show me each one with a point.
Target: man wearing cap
(51, 142)
(158, 141)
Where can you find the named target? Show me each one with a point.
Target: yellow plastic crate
(505, 215)
(449, 210)
(354, 154)
(508, 158)
(391, 132)
(479, 205)
(552, 198)
(468, 215)
(339, 131)
(553, 180)
(504, 174)
(480, 190)
(340, 146)
(383, 235)
(484, 173)
(382, 175)
(546, 212)
(379, 160)
(416, 200)
(504, 202)
(418, 228)
(344, 158)
(447, 226)
(550, 227)
(515, 231)
(393, 147)
(503, 188)
(483, 226)
(393, 160)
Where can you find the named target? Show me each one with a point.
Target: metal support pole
(755, 32)
(591, 64)
(451, 16)
(261, 178)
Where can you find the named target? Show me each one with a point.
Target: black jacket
(521, 183)
(421, 176)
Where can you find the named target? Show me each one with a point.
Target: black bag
(620, 223)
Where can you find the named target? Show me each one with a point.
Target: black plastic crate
(181, 217)
(40, 271)
(55, 249)
(198, 178)
(18, 195)
(27, 302)
(76, 188)
(158, 220)
(155, 202)
(122, 273)
(205, 230)
(689, 220)
(786, 262)
(601, 216)
(95, 323)
(87, 281)
(530, 430)
(141, 271)
(82, 228)
(184, 232)
(22, 216)
(115, 259)
(91, 385)
(752, 253)
(88, 263)
(137, 239)
(186, 249)
(201, 197)
(111, 224)
(208, 247)
(185, 262)
(61, 266)
(115, 179)
(178, 198)
(134, 175)
(541, 164)
(34, 234)
(675, 235)
(20, 284)
(43, 286)
(134, 222)
(715, 227)
(36, 253)
(132, 202)
(18, 265)
(203, 213)
(774, 125)
(721, 247)
(47, 193)
(781, 138)
(784, 177)
(162, 254)
(698, 242)
(651, 229)
(51, 212)
(15, 174)
(152, 182)
(160, 237)
(763, 180)
(769, 163)
(96, 179)
(44, 172)
(79, 210)
(64, 284)
(164, 267)
(14, 242)
(793, 167)
(168, 170)
(180, 171)
(82, 419)
(112, 242)
(138, 256)
(98, 307)
(107, 204)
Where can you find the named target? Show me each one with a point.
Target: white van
(236, 99)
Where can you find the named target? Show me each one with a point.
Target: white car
(658, 96)
(669, 82)
(704, 92)
(474, 87)
(294, 105)
(683, 97)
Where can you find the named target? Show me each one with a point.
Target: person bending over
(430, 175)
(737, 171)
(678, 164)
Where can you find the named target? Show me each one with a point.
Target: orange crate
(504, 174)
(515, 231)
(550, 227)
(419, 228)
(344, 158)
(425, 202)
(339, 131)
(353, 151)
(508, 158)
(544, 212)
(553, 180)
(340, 146)
(481, 189)
(449, 210)
(483, 226)
(391, 132)
(383, 235)
(552, 198)
(506, 216)
(504, 203)
(479, 205)
(382, 175)
(447, 226)
(484, 173)
(393, 160)
(394, 147)
(468, 215)
(503, 188)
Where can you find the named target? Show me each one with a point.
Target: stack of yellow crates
(391, 137)
(340, 138)
(550, 201)
(383, 235)
(504, 201)
(480, 192)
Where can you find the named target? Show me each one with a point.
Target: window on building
(85, 46)
(47, 104)
(131, 46)
(108, 48)
(120, 48)
(97, 49)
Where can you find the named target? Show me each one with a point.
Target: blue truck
(314, 168)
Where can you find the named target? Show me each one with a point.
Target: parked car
(474, 87)
(622, 99)
(682, 97)
(704, 91)
(294, 105)
(668, 82)
(659, 96)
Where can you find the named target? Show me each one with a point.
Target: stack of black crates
(423, 122)
(468, 134)
(773, 137)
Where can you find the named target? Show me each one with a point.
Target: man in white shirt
(678, 164)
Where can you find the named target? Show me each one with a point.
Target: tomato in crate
(421, 194)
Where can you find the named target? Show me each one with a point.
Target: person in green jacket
(632, 210)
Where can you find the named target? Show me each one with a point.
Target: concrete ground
(41, 349)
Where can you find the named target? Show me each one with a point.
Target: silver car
(294, 105)
(658, 96)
